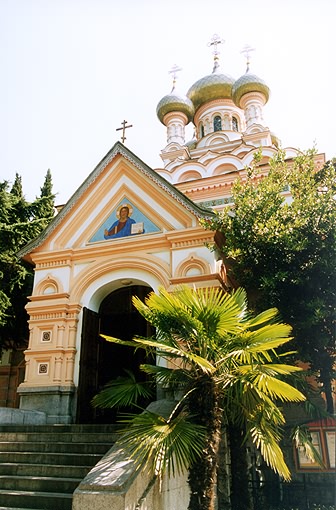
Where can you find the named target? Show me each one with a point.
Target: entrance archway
(102, 361)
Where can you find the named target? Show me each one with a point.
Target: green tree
(43, 207)
(283, 251)
(20, 222)
(222, 364)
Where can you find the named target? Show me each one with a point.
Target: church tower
(128, 230)
(229, 128)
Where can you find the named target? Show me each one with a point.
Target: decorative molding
(50, 315)
(217, 202)
(118, 149)
(52, 263)
(43, 368)
(191, 242)
(191, 263)
(48, 287)
(46, 336)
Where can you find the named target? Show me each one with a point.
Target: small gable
(121, 198)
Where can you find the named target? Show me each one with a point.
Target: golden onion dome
(249, 83)
(275, 140)
(213, 86)
(192, 143)
(174, 102)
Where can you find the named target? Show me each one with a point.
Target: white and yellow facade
(76, 267)
(72, 271)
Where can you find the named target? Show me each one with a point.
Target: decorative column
(252, 104)
(50, 357)
(175, 122)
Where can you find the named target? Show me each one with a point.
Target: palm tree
(221, 363)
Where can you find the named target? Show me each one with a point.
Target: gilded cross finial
(124, 122)
(246, 52)
(215, 41)
(174, 71)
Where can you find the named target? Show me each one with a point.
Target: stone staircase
(41, 465)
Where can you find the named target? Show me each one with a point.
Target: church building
(130, 229)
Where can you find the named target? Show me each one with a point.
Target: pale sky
(73, 70)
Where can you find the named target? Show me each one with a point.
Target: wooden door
(88, 367)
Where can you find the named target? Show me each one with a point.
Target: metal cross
(215, 41)
(246, 52)
(174, 70)
(123, 137)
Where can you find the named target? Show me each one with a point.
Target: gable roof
(117, 149)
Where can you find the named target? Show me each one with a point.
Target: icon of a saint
(123, 226)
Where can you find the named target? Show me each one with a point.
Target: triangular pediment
(121, 200)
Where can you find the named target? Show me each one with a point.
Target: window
(201, 130)
(323, 435)
(217, 123)
(234, 124)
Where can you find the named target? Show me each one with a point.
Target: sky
(73, 70)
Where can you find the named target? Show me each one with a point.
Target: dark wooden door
(88, 367)
(102, 361)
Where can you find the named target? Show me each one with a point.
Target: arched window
(234, 124)
(201, 130)
(217, 123)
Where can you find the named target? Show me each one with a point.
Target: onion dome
(192, 143)
(174, 102)
(213, 86)
(275, 140)
(249, 83)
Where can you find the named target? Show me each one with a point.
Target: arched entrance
(102, 361)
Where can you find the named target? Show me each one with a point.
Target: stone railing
(116, 483)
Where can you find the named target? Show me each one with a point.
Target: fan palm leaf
(224, 362)
(170, 445)
(123, 392)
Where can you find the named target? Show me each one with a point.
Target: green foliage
(159, 443)
(20, 222)
(283, 251)
(122, 392)
(223, 364)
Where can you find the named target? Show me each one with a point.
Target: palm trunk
(205, 403)
(240, 495)
(327, 388)
(224, 471)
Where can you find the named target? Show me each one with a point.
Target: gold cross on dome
(123, 137)
(173, 71)
(246, 51)
(215, 41)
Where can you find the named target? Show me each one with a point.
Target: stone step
(46, 458)
(50, 447)
(62, 437)
(35, 500)
(40, 466)
(11, 469)
(15, 508)
(39, 483)
(73, 429)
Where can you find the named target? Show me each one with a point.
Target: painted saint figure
(122, 227)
